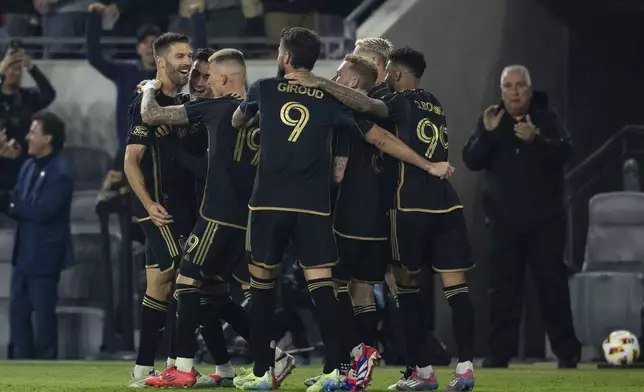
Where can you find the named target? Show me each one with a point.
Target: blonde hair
(365, 68)
(228, 54)
(377, 45)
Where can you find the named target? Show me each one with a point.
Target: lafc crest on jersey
(140, 131)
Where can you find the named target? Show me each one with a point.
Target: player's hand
(304, 78)
(112, 11)
(526, 131)
(443, 170)
(193, 10)
(153, 84)
(492, 117)
(163, 130)
(158, 214)
(139, 87)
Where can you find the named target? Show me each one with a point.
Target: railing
(616, 152)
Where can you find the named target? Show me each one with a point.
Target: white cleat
(284, 365)
(139, 382)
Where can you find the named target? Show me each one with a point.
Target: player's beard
(175, 75)
(281, 72)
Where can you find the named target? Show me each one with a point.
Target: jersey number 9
(298, 123)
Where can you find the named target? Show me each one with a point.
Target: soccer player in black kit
(428, 226)
(291, 200)
(215, 250)
(149, 171)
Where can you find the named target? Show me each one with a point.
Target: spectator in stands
(126, 75)
(62, 19)
(43, 243)
(522, 148)
(19, 18)
(17, 106)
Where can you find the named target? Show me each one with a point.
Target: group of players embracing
(371, 131)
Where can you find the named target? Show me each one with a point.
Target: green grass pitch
(64, 376)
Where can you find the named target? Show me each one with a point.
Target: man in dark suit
(43, 247)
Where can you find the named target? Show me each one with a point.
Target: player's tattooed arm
(339, 165)
(239, 118)
(352, 98)
(154, 114)
(388, 143)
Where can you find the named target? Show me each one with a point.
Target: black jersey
(420, 123)
(157, 165)
(297, 124)
(233, 155)
(361, 211)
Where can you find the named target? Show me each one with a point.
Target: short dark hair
(410, 58)
(55, 127)
(228, 55)
(147, 30)
(364, 67)
(203, 54)
(163, 42)
(303, 45)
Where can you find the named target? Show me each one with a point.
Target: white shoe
(284, 365)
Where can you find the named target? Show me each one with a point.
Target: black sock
(233, 313)
(366, 318)
(416, 343)
(326, 307)
(348, 339)
(153, 318)
(262, 313)
(172, 328)
(462, 320)
(188, 304)
(212, 332)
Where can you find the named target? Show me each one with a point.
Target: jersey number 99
(437, 135)
(297, 123)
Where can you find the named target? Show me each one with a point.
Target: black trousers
(541, 248)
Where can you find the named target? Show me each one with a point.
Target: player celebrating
(428, 224)
(149, 173)
(216, 247)
(291, 200)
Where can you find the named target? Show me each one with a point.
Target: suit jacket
(43, 242)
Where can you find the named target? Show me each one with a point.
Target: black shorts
(311, 236)
(361, 261)
(439, 241)
(162, 246)
(214, 250)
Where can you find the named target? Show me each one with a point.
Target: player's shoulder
(379, 91)
(266, 81)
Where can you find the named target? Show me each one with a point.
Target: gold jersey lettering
(295, 89)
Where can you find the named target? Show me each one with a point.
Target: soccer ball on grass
(621, 348)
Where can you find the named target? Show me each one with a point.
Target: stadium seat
(608, 294)
(88, 166)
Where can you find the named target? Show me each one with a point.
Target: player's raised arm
(390, 144)
(350, 97)
(154, 114)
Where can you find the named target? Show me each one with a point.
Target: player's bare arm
(339, 166)
(132, 167)
(354, 99)
(239, 119)
(154, 114)
(390, 144)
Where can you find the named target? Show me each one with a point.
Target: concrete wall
(466, 45)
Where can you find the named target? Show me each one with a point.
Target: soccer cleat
(173, 377)
(365, 358)
(254, 383)
(139, 382)
(213, 381)
(461, 382)
(310, 381)
(284, 365)
(327, 382)
(245, 374)
(414, 382)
